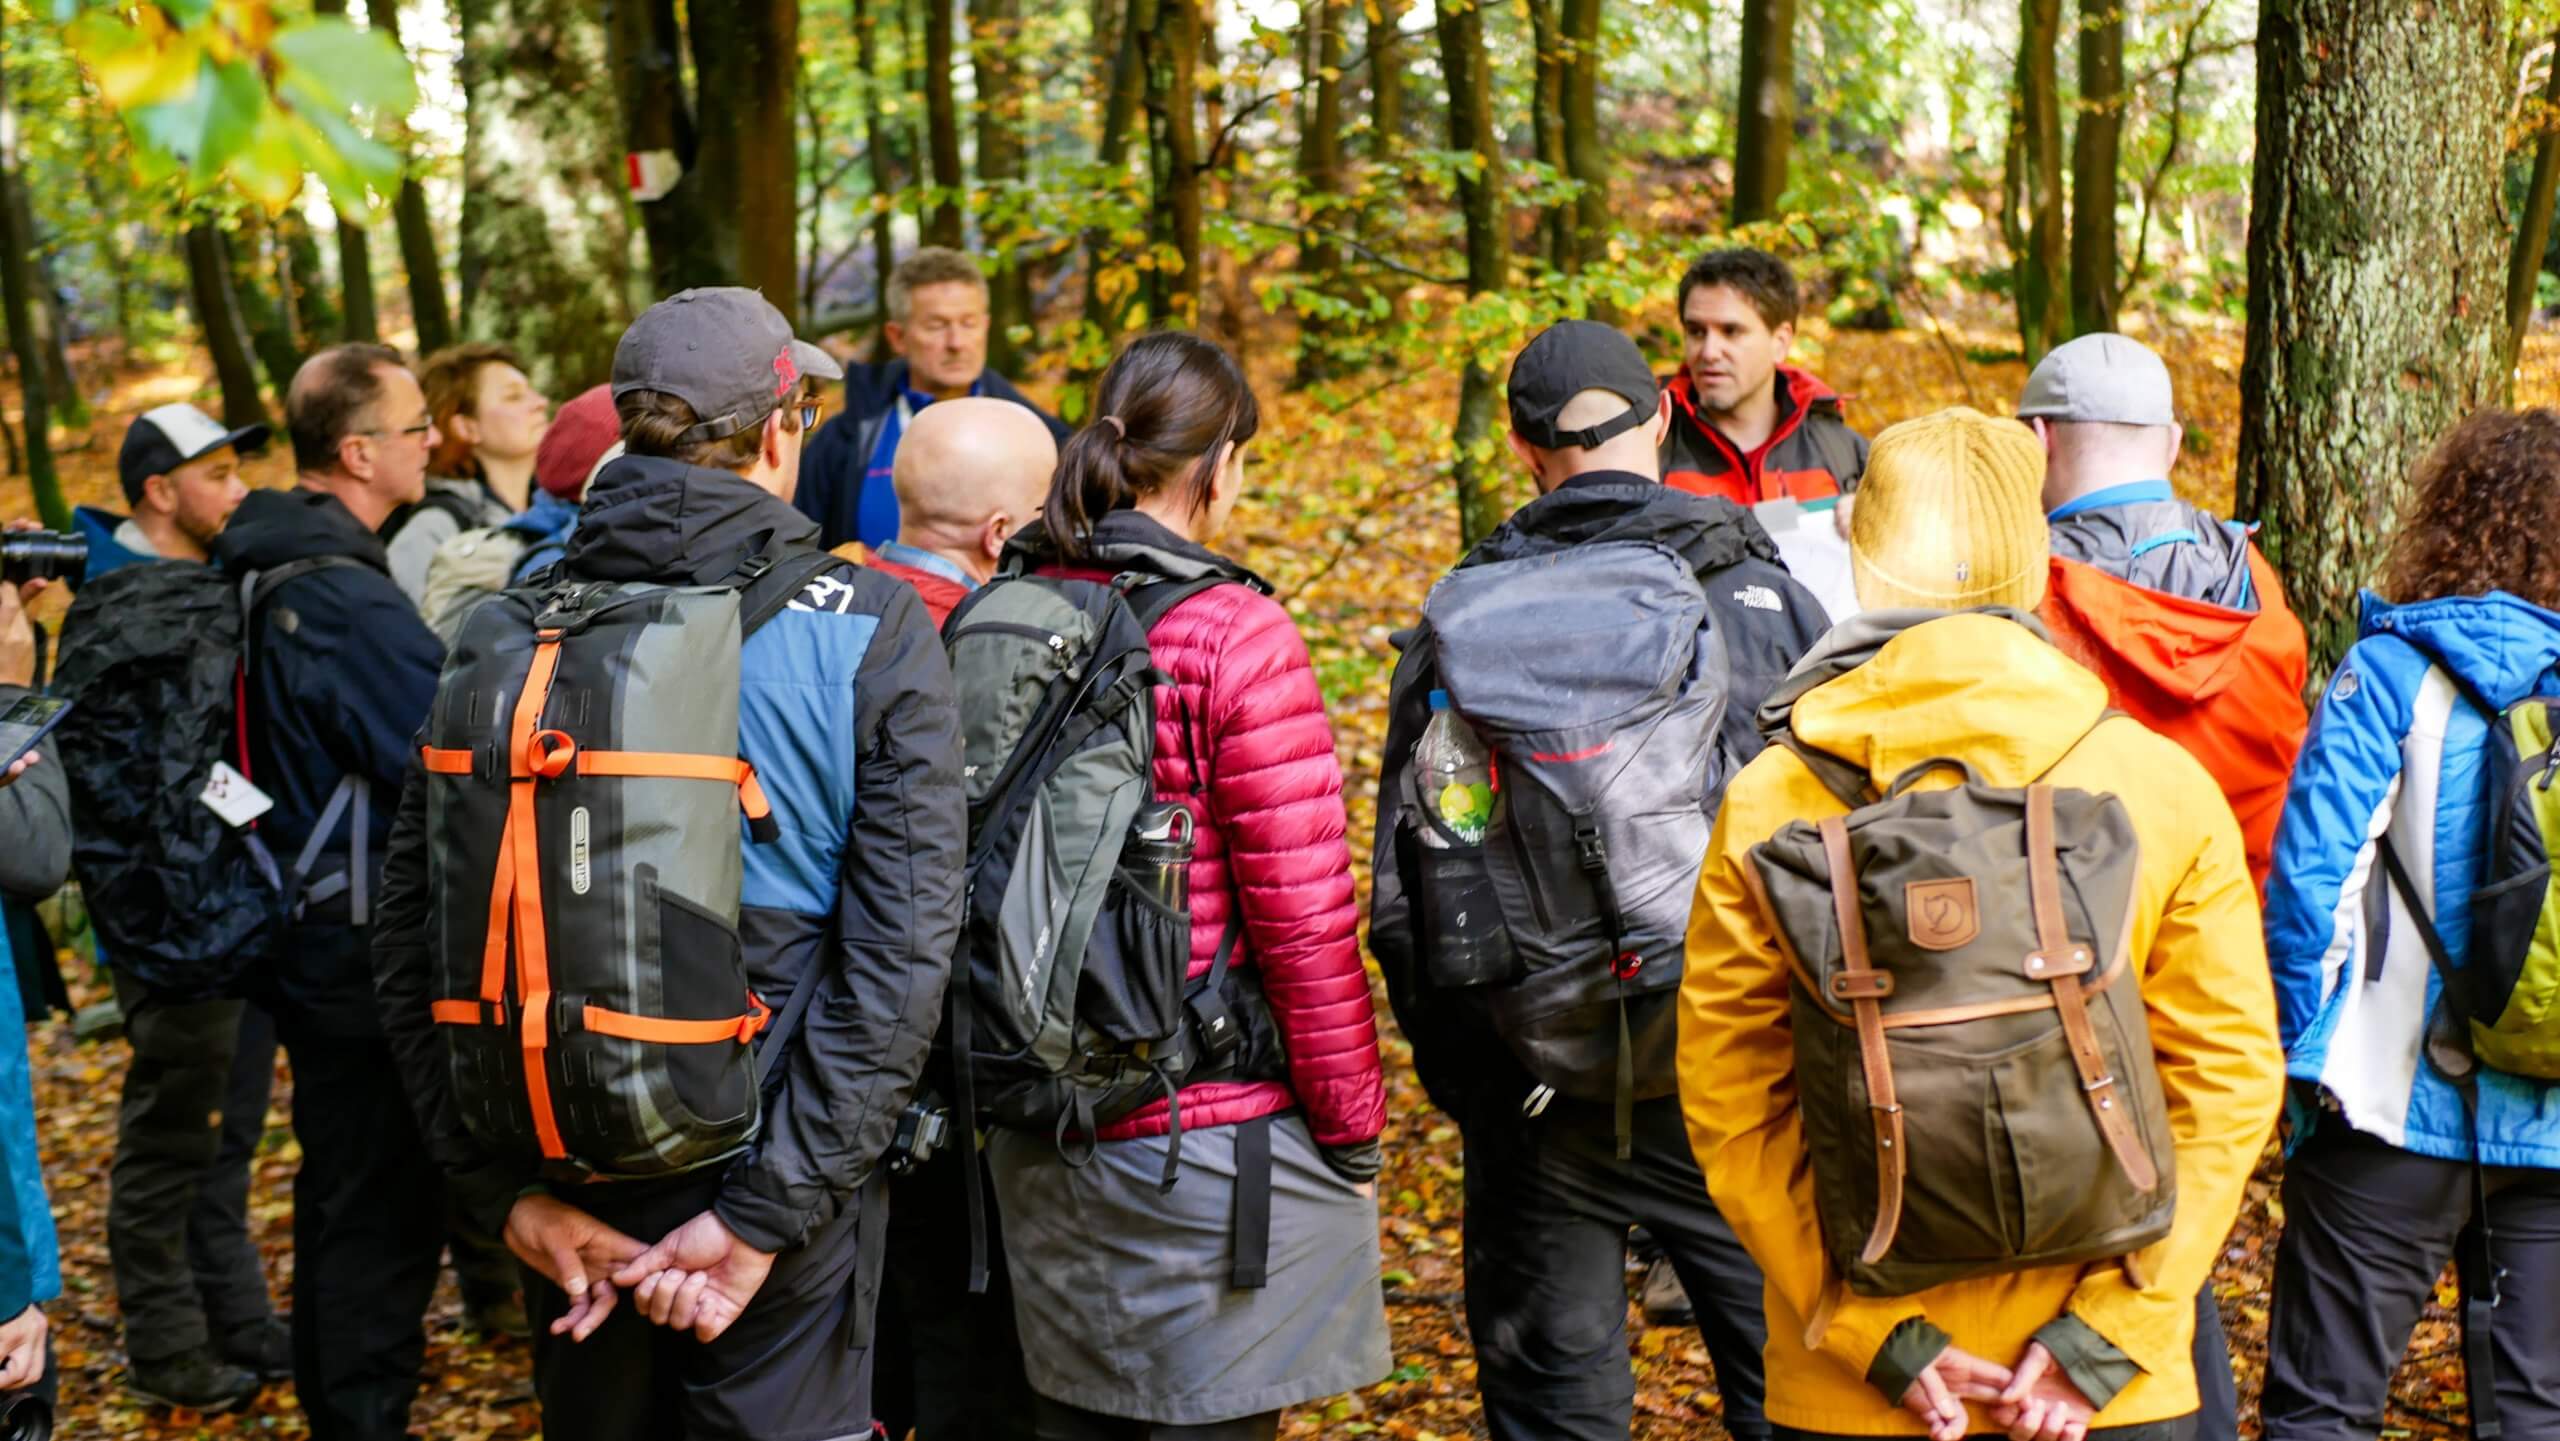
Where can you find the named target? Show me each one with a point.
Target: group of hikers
(846, 926)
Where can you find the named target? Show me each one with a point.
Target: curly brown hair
(2481, 513)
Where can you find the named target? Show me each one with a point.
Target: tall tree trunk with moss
(942, 126)
(53, 323)
(2040, 272)
(1546, 123)
(746, 80)
(546, 223)
(2380, 131)
(1477, 472)
(1764, 131)
(1169, 51)
(226, 333)
(2095, 143)
(1004, 97)
(1320, 181)
(16, 281)
(1586, 151)
(2533, 227)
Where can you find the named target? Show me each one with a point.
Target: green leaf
(208, 124)
(331, 65)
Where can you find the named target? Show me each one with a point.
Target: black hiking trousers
(193, 1110)
(1548, 1209)
(795, 1367)
(2368, 1228)
(950, 1366)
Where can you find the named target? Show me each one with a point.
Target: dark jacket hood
(1127, 540)
(654, 519)
(273, 527)
(1708, 532)
(2165, 545)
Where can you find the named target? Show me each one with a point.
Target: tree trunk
(1586, 154)
(357, 320)
(546, 229)
(647, 46)
(2041, 272)
(428, 309)
(2533, 227)
(942, 126)
(2375, 266)
(1764, 131)
(17, 280)
(1477, 471)
(1320, 180)
(1386, 77)
(53, 324)
(226, 334)
(309, 315)
(270, 330)
(746, 73)
(876, 146)
(1106, 312)
(1003, 96)
(2094, 147)
(1546, 123)
(1171, 49)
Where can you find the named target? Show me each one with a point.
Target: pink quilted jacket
(1270, 840)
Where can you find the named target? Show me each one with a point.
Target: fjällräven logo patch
(1942, 915)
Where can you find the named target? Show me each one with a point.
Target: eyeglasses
(809, 414)
(421, 428)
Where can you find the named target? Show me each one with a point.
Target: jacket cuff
(2096, 1365)
(755, 1219)
(1907, 1351)
(487, 1195)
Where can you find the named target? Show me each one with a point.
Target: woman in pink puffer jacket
(1140, 1315)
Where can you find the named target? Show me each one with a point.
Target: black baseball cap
(159, 441)
(1566, 359)
(722, 349)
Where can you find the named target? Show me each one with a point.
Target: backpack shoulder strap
(767, 593)
(1152, 600)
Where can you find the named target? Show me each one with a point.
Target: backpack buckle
(1590, 849)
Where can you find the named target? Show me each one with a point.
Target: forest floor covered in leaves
(1350, 517)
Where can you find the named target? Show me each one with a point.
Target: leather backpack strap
(1863, 986)
(2060, 963)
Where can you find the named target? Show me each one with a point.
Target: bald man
(970, 472)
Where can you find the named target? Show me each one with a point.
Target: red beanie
(581, 432)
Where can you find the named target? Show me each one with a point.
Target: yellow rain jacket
(1887, 691)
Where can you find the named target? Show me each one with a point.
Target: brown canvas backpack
(1972, 1057)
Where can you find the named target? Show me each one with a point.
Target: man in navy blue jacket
(936, 323)
(340, 673)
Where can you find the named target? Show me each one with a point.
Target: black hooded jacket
(1766, 620)
(845, 711)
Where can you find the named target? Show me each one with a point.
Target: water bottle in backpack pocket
(1135, 997)
(1450, 809)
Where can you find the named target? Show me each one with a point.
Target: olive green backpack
(1972, 1058)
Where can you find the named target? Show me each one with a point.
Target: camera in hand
(923, 1127)
(26, 1418)
(43, 555)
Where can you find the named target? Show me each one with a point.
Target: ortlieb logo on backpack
(1070, 1001)
(1973, 1060)
(1591, 676)
(584, 862)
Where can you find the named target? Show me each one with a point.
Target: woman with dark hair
(2419, 1130)
(1139, 1318)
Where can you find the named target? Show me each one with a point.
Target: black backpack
(153, 661)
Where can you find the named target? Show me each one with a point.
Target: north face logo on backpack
(1759, 597)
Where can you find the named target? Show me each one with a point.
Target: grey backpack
(1592, 677)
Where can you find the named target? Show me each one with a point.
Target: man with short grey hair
(936, 328)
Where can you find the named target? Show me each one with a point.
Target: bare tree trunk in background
(546, 223)
(876, 143)
(356, 311)
(1546, 123)
(225, 334)
(1386, 77)
(1586, 154)
(647, 45)
(2095, 145)
(746, 72)
(2380, 132)
(2042, 270)
(310, 315)
(1004, 93)
(251, 254)
(1476, 473)
(942, 125)
(1320, 178)
(1764, 132)
(53, 323)
(428, 309)
(2533, 227)
(16, 281)
(1123, 95)
(1170, 50)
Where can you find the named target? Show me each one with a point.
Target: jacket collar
(2130, 493)
(654, 519)
(1128, 541)
(1708, 532)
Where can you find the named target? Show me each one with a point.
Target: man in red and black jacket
(1744, 424)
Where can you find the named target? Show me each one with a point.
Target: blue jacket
(2394, 748)
(106, 553)
(843, 464)
(544, 527)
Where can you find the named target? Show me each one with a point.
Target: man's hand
(20, 766)
(699, 1278)
(22, 1350)
(577, 1252)
(1937, 1395)
(2040, 1403)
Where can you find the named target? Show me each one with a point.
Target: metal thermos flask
(1159, 852)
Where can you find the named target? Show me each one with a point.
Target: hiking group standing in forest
(859, 909)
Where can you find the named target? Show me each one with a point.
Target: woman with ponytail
(1196, 1313)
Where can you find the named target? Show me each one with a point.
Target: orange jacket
(2225, 684)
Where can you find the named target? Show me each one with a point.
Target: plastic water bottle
(1456, 777)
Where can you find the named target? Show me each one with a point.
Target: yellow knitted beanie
(1951, 515)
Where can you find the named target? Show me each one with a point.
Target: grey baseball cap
(722, 349)
(2103, 377)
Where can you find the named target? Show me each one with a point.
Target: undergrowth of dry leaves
(1350, 517)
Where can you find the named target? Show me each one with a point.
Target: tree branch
(2187, 54)
(1346, 241)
